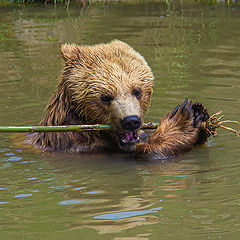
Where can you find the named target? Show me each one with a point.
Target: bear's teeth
(130, 137)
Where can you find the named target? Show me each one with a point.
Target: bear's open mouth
(128, 137)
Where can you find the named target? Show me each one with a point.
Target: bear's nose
(131, 123)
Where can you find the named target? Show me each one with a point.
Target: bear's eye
(106, 99)
(137, 93)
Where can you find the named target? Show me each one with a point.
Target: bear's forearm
(167, 148)
(172, 138)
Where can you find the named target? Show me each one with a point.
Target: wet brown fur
(174, 136)
(114, 69)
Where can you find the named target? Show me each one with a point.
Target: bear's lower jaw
(127, 148)
(127, 140)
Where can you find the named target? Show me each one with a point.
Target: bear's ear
(70, 52)
(119, 44)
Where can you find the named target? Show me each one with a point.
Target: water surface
(194, 52)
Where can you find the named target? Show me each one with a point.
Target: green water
(194, 52)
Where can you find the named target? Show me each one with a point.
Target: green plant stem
(69, 128)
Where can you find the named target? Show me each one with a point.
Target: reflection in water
(120, 215)
(194, 52)
(23, 195)
(121, 186)
(70, 202)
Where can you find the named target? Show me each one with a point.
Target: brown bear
(112, 84)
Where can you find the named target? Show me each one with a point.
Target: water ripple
(128, 214)
(23, 195)
(13, 159)
(70, 202)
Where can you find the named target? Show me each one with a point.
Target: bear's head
(108, 84)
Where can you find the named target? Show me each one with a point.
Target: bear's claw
(200, 114)
(197, 110)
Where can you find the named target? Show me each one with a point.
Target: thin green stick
(211, 126)
(68, 128)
